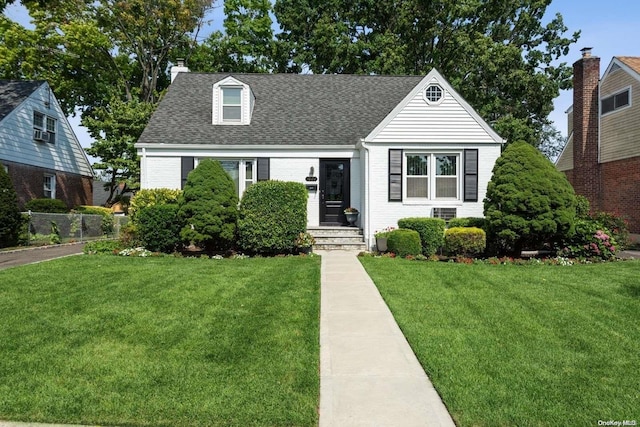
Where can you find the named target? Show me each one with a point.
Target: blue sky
(611, 28)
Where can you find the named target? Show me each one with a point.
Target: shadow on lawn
(631, 290)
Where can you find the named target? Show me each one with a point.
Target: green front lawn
(522, 345)
(161, 341)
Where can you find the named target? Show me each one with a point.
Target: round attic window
(433, 93)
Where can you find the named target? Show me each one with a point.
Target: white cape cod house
(390, 146)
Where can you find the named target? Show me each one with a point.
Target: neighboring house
(602, 156)
(390, 146)
(38, 147)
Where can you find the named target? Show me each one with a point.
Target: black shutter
(470, 175)
(187, 166)
(263, 169)
(395, 175)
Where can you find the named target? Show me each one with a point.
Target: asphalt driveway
(43, 253)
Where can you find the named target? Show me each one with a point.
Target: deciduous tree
(498, 54)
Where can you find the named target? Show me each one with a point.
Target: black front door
(334, 191)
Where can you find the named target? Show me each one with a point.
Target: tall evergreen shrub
(529, 203)
(272, 215)
(209, 207)
(10, 218)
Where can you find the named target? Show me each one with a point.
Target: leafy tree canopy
(97, 55)
(498, 54)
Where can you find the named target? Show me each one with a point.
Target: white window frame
(240, 106)
(49, 189)
(426, 97)
(431, 177)
(243, 163)
(49, 125)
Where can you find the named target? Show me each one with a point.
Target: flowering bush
(305, 240)
(135, 252)
(591, 241)
(384, 232)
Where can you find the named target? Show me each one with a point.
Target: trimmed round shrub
(158, 227)
(529, 203)
(46, 205)
(10, 218)
(209, 207)
(403, 242)
(467, 222)
(272, 216)
(431, 231)
(464, 241)
(150, 197)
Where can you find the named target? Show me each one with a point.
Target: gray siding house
(38, 147)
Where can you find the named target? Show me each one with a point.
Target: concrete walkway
(369, 376)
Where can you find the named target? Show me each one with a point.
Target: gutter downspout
(143, 167)
(367, 225)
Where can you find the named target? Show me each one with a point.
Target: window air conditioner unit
(41, 135)
(444, 213)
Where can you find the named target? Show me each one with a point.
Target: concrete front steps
(337, 238)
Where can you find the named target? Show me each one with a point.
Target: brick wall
(28, 181)
(586, 170)
(620, 184)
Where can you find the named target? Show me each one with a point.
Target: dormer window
(231, 104)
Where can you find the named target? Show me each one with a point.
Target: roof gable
(417, 119)
(15, 92)
(289, 109)
(628, 64)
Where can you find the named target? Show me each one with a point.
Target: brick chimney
(586, 169)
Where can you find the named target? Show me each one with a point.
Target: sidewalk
(369, 376)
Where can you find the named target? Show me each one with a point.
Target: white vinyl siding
(440, 123)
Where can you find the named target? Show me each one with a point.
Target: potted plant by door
(304, 242)
(352, 215)
(381, 238)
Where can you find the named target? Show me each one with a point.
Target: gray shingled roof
(290, 109)
(14, 92)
